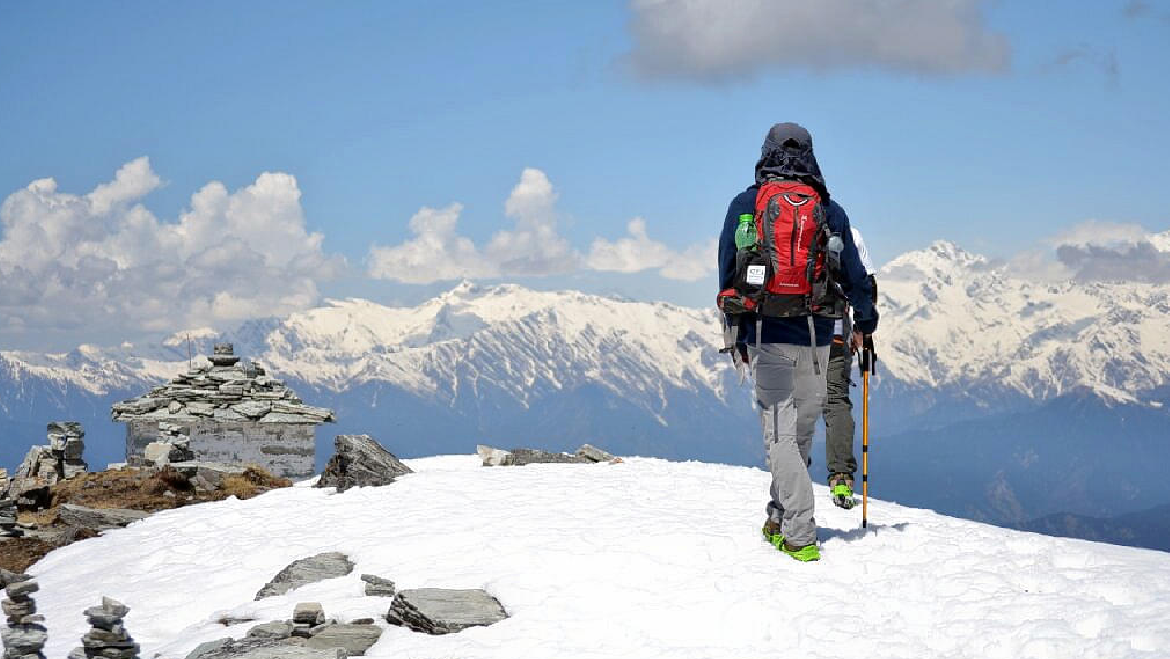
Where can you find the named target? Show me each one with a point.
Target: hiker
(787, 264)
(838, 413)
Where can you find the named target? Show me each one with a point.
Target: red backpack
(786, 273)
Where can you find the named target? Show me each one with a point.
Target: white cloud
(103, 261)
(1096, 250)
(436, 253)
(534, 247)
(714, 39)
(637, 252)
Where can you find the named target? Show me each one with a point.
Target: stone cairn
(25, 636)
(225, 390)
(8, 519)
(47, 465)
(107, 637)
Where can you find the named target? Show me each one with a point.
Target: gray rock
(354, 639)
(281, 417)
(158, 452)
(264, 648)
(329, 565)
(308, 613)
(7, 578)
(442, 611)
(378, 587)
(252, 409)
(21, 589)
(360, 461)
(204, 649)
(528, 456)
(24, 639)
(594, 454)
(277, 630)
(493, 457)
(98, 519)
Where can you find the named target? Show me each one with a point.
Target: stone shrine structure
(234, 413)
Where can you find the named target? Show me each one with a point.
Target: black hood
(788, 154)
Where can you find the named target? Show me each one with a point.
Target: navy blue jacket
(795, 330)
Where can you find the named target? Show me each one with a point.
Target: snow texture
(643, 559)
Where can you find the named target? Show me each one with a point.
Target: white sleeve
(861, 250)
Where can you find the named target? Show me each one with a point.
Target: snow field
(643, 559)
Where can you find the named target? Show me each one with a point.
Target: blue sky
(1051, 118)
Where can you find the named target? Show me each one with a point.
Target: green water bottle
(745, 235)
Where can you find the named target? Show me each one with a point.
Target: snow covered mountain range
(962, 341)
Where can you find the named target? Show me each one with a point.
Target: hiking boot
(804, 554)
(841, 490)
(772, 534)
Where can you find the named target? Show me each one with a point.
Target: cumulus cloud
(1097, 250)
(713, 39)
(532, 247)
(637, 252)
(103, 261)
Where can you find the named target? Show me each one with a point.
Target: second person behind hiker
(780, 295)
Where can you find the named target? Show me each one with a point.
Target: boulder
(594, 454)
(276, 630)
(355, 639)
(329, 565)
(308, 613)
(493, 457)
(378, 587)
(360, 461)
(442, 611)
(262, 648)
(98, 519)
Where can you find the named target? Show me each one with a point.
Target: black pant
(839, 425)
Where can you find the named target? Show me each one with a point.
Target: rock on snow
(647, 559)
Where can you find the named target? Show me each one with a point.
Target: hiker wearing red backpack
(787, 268)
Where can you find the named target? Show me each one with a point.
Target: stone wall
(285, 449)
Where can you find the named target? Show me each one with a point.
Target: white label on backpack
(755, 275)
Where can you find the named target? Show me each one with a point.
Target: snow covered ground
(643, 559)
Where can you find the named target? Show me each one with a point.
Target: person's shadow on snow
(859, 533)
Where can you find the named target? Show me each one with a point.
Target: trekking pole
(868, 365)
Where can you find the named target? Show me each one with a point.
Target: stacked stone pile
(107, 637)
(8, 527)
(45, 466)
(3, 480)
(224, 390)
(25, 636)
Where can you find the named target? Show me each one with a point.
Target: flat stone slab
(354, 639)
(443, 611)
(98, 519)
(360, 461)
(594, 454)
(329, 565)
(529, 456)
(255, 648)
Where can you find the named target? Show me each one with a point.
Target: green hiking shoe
(772, 534)
(841, 490)
(804, 554)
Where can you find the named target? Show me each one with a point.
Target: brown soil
(135, 489)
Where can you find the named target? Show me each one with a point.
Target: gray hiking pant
(839, 425)
(790, 397)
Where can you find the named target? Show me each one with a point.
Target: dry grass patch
(135, 489)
